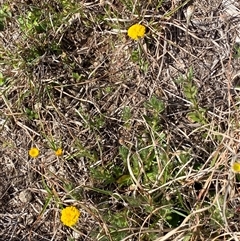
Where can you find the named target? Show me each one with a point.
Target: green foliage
(198, 116)
(5, 13)
(50, 196)
(126, 116)
(97, 122)
(144, 186)
(105, 175)
(53, 144)
(72, 192)
(31, 114)
(143, 162)
(77, 76)
(36, 25)
(70, 239)
(217, 212)
(135, 56)
(2, 79)
(93, 122)
(174, 217)
(138, 57)
(82, 152)
(155, 107)
(119, 220)
(33, 22)
(128, 4)
(190, 90)
(147, 160)
(187, 237)
(32, 54)
(236, 49)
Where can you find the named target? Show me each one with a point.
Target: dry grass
(149, 128)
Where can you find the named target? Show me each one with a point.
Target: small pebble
(25, 196)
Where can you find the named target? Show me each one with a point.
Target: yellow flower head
(59, 152)
(136, 31)
(33, 152)
(236, 167)
(69, 216)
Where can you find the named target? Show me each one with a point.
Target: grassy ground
(149, 129)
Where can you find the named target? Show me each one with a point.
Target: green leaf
(197, 116)
(156, 104)
(124, 180)
(190, 91)
(2, 79)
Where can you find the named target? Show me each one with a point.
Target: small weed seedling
(197, 114)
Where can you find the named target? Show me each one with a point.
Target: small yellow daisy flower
(136, 31)
(70, 215)
(236, 167)
(33, 152)
(59, 152)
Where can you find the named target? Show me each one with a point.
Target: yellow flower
(33, 152)
(59, 152)
(136, 31)
(236, 167)
(69, 216)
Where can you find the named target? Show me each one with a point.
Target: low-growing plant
(5, 13)
(190, 90)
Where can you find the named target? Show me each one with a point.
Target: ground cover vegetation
(119, 120)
